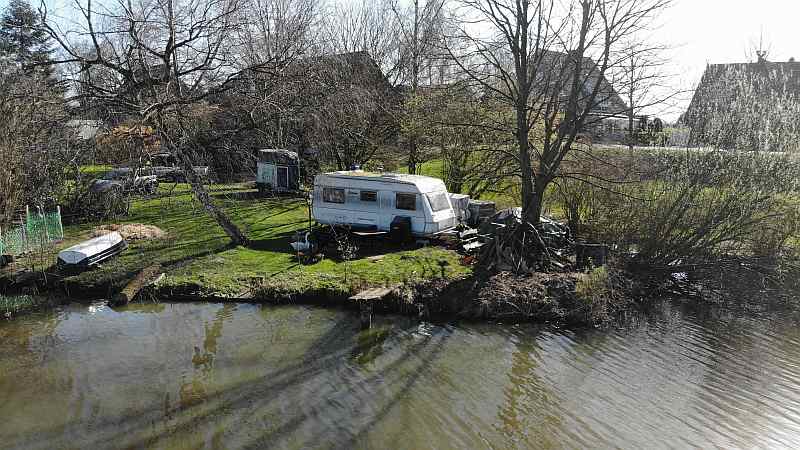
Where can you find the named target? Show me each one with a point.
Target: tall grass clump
(11, 306)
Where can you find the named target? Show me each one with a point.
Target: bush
(594, 293)
(704, 205)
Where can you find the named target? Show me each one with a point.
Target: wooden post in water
(365, 313)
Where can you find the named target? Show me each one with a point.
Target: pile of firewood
(520, 247)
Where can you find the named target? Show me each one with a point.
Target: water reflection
(238, 376)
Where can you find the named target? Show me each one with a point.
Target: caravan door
(385, 210)
(283, 177)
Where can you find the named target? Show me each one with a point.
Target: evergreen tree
(23, 40)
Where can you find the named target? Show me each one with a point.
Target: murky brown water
(234, 376)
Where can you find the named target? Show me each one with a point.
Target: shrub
(705, 204)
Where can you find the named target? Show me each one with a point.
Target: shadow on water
(433, 349)
(253, 376)
(200, 407)
(332, 352)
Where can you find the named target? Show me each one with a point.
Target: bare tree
(354, 112)
(422, 32)
(365, 26)
(277, 32)
(33, 141)
(158, 61)
(547, 60)
(644, 80)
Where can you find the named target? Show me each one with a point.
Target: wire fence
(37, 230)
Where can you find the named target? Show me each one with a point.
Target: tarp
(277, 156)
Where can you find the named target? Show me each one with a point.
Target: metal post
(43, 224)
(24, 228)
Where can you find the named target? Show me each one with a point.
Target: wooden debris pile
(517, 246)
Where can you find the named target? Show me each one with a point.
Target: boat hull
(93, 251)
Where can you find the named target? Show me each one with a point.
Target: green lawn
(196, 252)
(96, 170)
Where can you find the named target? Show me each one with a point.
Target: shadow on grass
(274, 214)
(188, 258)
(278, 243)
(238, 196)
(254, 195)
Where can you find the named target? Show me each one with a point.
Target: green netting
(39, 230)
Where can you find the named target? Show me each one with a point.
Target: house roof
(763, 95)
(760, 76)
(323, 72)
(554, 73)
(608, 101)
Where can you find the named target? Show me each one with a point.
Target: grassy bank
(12, 306)
(198, 258)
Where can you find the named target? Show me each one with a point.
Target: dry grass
(131, 231)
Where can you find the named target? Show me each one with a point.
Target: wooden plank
(371, 294)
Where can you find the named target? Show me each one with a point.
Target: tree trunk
(534, 214)
(630, 104)
(630, 129)
(201, 194)
(530, 210)
(412, 150)
(412, 156)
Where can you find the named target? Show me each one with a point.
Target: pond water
(239, 376)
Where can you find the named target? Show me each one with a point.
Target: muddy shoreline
(543, 298)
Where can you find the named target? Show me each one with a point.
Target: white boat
(93, 251)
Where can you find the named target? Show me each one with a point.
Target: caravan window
(438, 201)
(332, 195)
(407, 202)
(369, 196)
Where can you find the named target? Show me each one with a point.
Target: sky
(702, 32)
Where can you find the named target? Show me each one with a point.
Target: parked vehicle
(278, 171)
(123, 180)
(404, 204)
(166, 168)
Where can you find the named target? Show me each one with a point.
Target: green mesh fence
(39, 230)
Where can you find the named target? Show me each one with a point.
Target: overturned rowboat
(93, 251)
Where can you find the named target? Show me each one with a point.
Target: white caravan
(378, 201)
